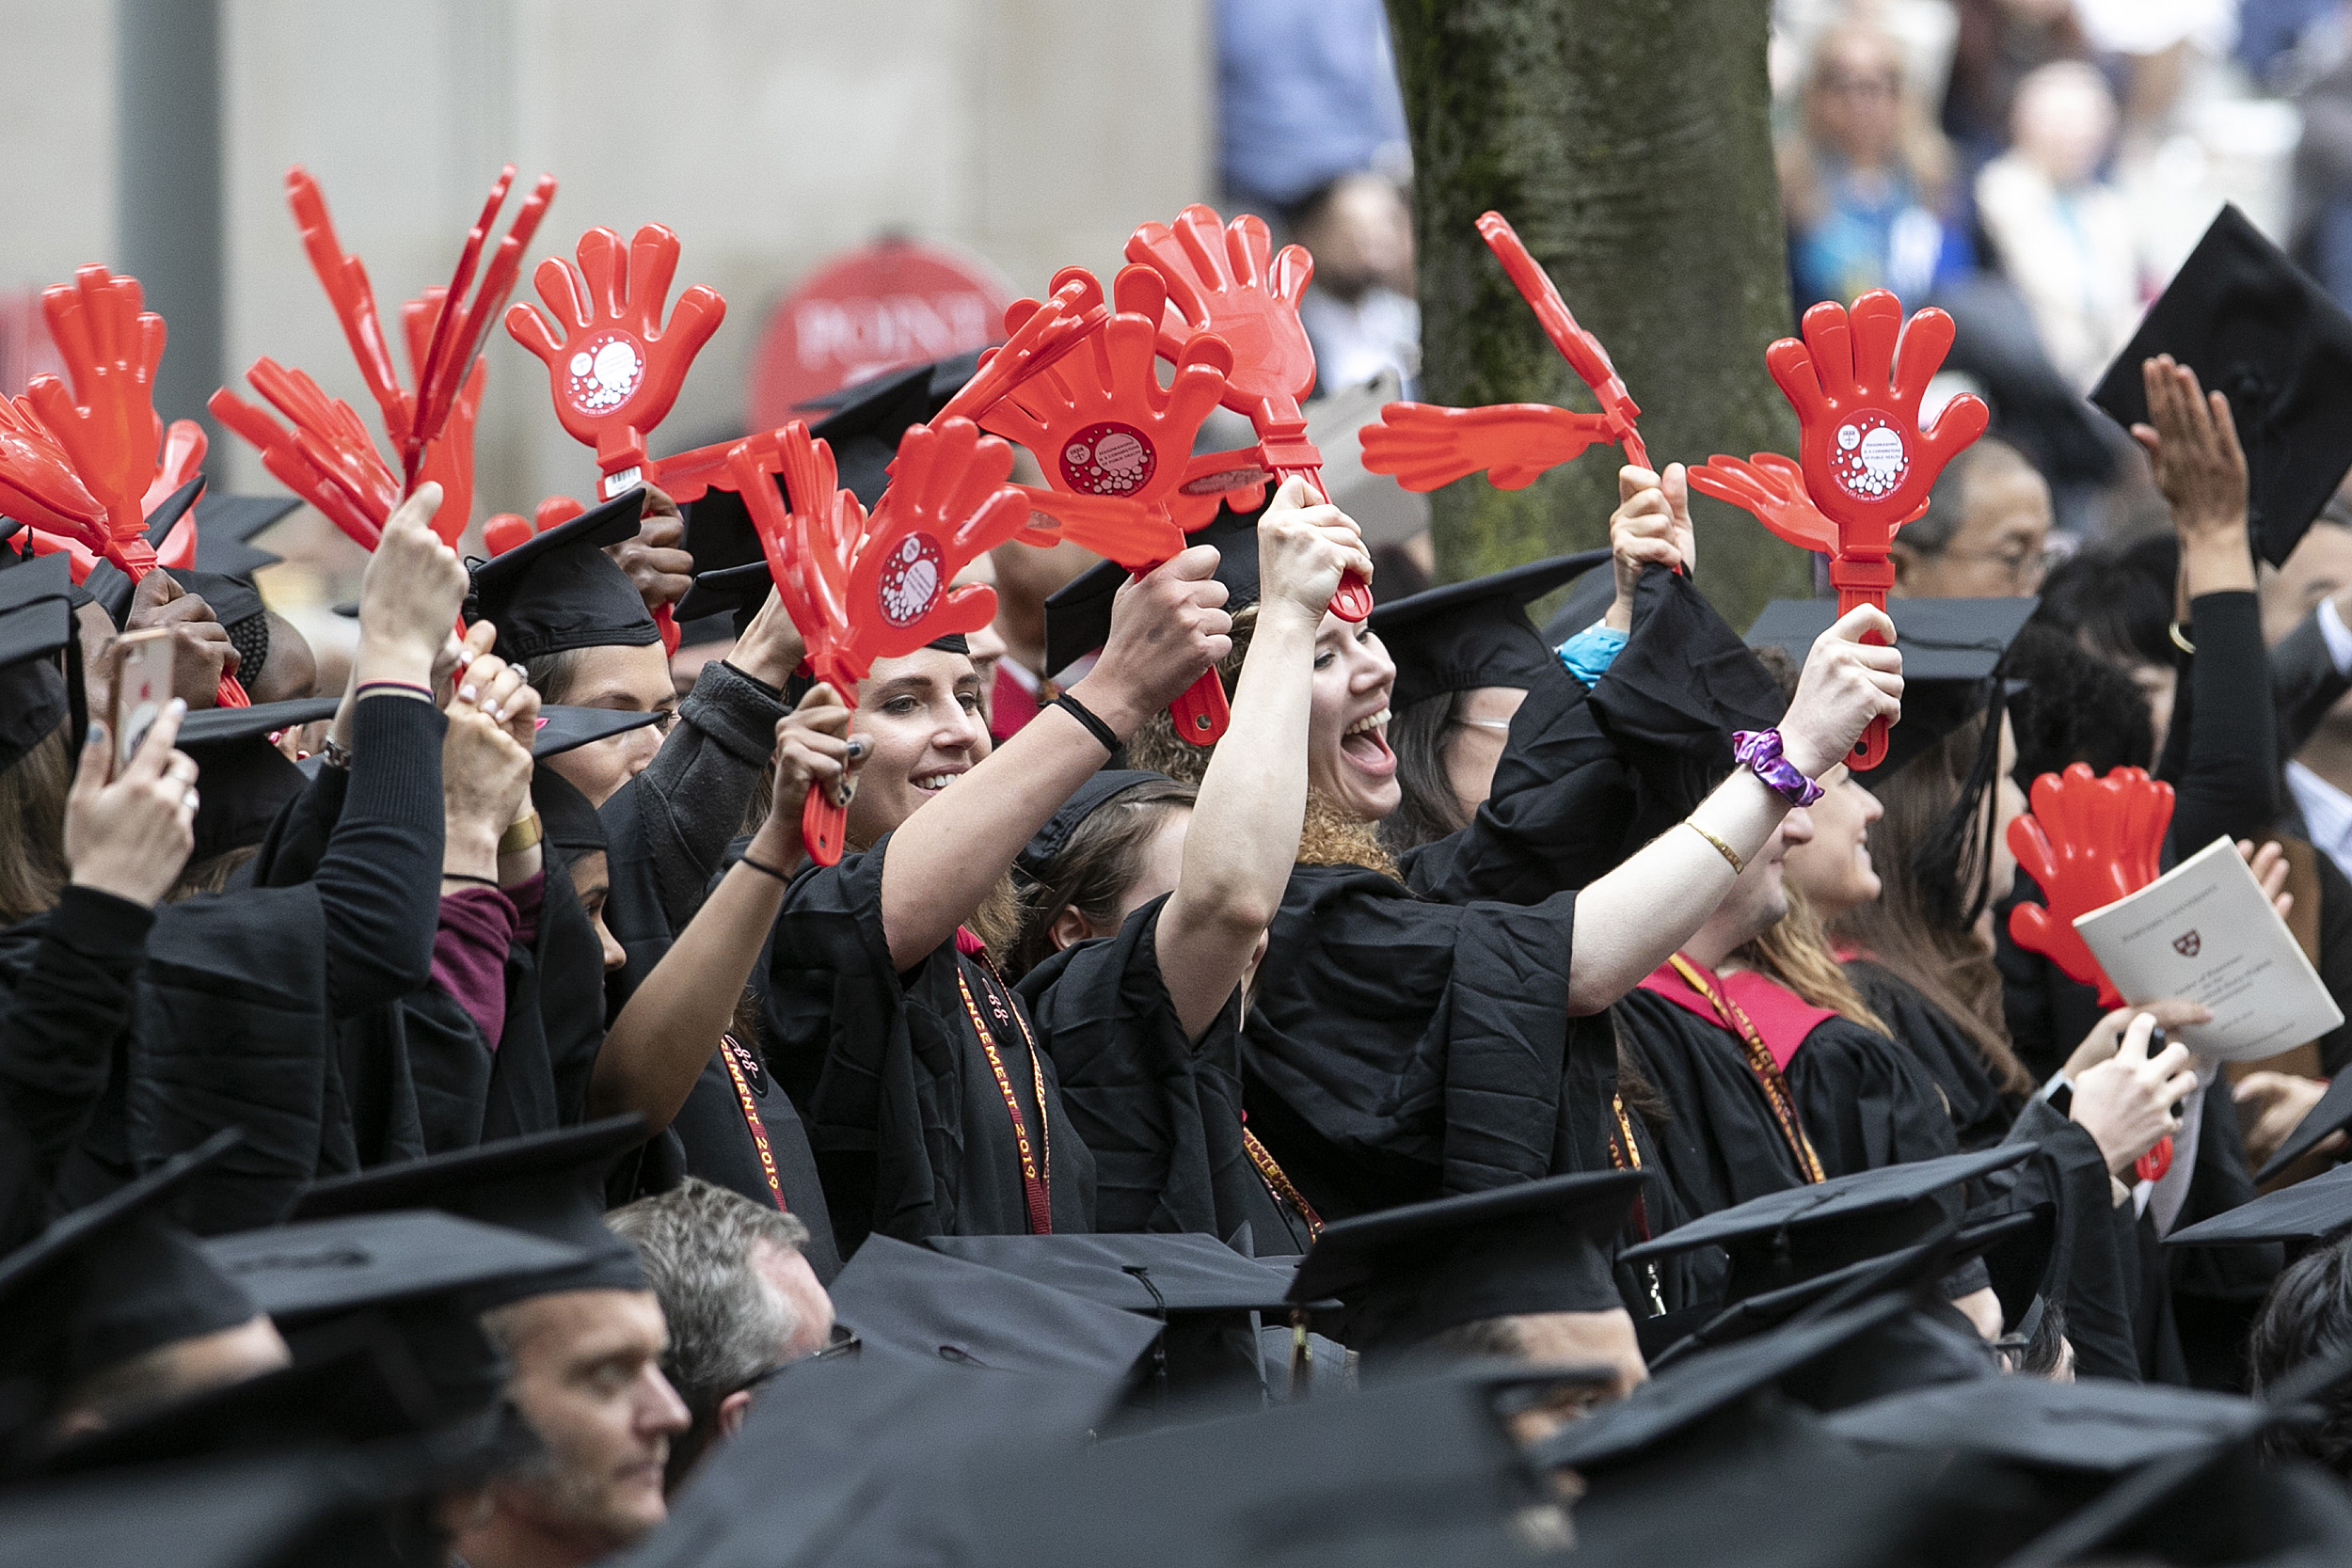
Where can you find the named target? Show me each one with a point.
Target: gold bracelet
(2180, 639)
(521, 835)
(1738, 865)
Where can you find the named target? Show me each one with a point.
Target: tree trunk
(1629, 143)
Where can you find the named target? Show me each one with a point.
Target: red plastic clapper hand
(2086, 843)
(344, 277)
(446, 367)
(38, 486)
(1425, 446)
(616, 369)
(1580, 349)
(108, 426)
(1039, 338)
(1770, 488)
(327, 458)
(1103, 429)
(448, 459)
(1226, 279)
(1855, 382)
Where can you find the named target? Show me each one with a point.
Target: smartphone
(139, 686)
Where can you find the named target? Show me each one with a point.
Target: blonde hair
(1796, 953)
(33, 868)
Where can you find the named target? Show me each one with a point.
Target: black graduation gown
(907, 1120)
(1719, 1141)
(1865, 1102)
(1588, 777)
(1161, 1114)
(226, 1028)
(1983, 1111)
(1401, 1049)
(711, 1138)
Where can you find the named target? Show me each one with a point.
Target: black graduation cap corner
(2256, 328)
(547, 1185)
(244, 780)
(558, 591)
(1078, 614)
(1407, 1275)
(1475, 633)
(36, 624)
(114, 1279)
(1951, 648)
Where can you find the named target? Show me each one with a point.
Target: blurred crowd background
(2038, 168)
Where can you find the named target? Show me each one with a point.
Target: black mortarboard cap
(2313, 1211)
(566, 819)
(2095, 1424)
(225, 529)
(2331, 1115)
(562, 726)
(1587, 602)
(36, 624)
(1038, 856)
(114, 1279)
(2256, 328)
(243, 1513)
(1407, 1275)
(1903, 1269)
(823, 1422)
(1476, 633)
(1078, 613)
(1950, 649)
(1416, 1471)
(550, 1184)
(910, 1302)
(1151, 1273)
(558, 590)
(1782, 1238)
(1677, 1400)
(168, 511)
(411, 1276)
(731, 594)
(242, 781)
(313, 1268)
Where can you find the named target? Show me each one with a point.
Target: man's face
(789, 1274)
(1599, 1339)
(587, 1376)
(1999, 548)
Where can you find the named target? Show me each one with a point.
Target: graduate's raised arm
(1246, 822)
(1166, 628)
(673, 1021)
(1631, 920)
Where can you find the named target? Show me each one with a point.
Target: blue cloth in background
(1307, 92)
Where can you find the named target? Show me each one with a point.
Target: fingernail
(179, 707)
(467, 692)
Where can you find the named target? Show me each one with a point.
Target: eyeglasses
(2019, 566)
(842, 1344)
(1846, 84)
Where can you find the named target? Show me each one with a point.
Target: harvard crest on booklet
(2187, 944)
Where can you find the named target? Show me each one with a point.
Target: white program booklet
(2205, 931)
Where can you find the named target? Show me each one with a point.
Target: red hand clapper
(861, 588)
(616, 369)
(1425, 446)
(1855, 382)
(2087, 842)
(1114, 445)
(1225, 278)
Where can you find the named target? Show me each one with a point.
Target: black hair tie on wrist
(766, 870)
(1086, 716)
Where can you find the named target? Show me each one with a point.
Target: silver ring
(189, 798)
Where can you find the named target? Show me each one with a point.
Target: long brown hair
(33, 869)
(1795, 951)
(1913, 929)
(1094, 870)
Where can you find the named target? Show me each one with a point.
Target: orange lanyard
(1270, 1172)
(728, 1049)
(1768, 1075)
(1036, 1182)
